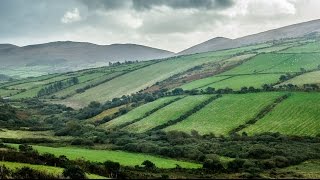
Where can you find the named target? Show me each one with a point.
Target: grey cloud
(149, 4)
(183, 4)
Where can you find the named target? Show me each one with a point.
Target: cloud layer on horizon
(168, 24)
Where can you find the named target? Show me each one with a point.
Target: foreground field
(226, 113)
(124, 158)
(297, 115)
(170, 112)
(47, 169)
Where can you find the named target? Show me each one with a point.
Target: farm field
(308, 169)
(170, 112)
(72, 90)
(306, 78)
(226, 113)
(136, 113)
(203, 82)
(47, 169)
(105, 113)
(137, 80)
(21, 134)
(277, 63)
(307, 48)
(297, 115)
(237, 82)
(124, 158)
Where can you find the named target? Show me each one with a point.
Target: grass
(226, 113)
(136, 113)
(6, 92)
(42, 168)
(277, 63)
(307, 48)
(297, 115)
(124, 158)
(306, 78)
(140, 79)
(308, 169)
(170, 112)
(20, 134)
(237, 82)
(72, 90)
(203, 82)
(105, 113)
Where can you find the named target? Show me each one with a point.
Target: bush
(74, 172)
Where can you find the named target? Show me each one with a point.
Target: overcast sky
(167, 24)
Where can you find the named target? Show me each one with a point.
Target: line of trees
(57, 86)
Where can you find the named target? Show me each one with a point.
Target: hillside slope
(292, 31)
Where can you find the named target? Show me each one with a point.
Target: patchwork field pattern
(170, 112)
(226, 113)
(297, 115)
(136, 113)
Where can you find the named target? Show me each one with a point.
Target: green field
(307, 48)
(277, 63)
(21, 134)
(237, 82)
(203, 82)
(137, 80)
(42, 168)
(226, 113)
(136, 113)
(306, 78)
(309, 169)
(170, 112)
(124, 158)
(297, 115)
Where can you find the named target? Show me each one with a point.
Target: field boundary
(149, 113)
(266, 110)
(186, 115)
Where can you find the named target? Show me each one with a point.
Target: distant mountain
(7, 46)
(69, 53)
(292, 31)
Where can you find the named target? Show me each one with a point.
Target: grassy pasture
(124, 158)
(277, 63)
(72, 90)
(21, 134)
(105, 113)
(167, 113)
(307, 78)
(140, 79)
(6, 92)
(136, 113)
(308, 169)
(203, 82)
(46, 169)
(237, 82)
(297, 115)
(226, 113)
(307, 48)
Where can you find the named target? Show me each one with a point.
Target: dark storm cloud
(149, 4)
